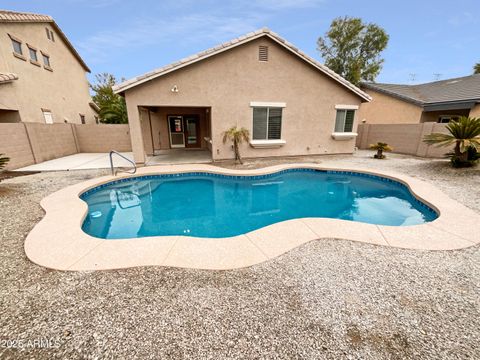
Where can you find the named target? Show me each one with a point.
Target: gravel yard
(327, 299)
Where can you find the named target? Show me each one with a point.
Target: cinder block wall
(404, 138)
(51, 141)
(14, 144)
(103, 138)
(30, 143)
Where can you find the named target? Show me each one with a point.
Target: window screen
(17, 47)
(267, 123)
(344, 120)
(33, 54)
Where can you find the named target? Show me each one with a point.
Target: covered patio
(176, 135)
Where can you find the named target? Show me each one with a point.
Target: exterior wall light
(174, 89)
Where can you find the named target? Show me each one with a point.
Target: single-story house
(290, 103)
(439, 101)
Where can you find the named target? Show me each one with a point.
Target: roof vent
(263, 53)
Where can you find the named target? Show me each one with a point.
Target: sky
(428, 39)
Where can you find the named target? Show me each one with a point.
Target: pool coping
(58, 241)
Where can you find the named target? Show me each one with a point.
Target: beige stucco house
(42, 76)
(291, 104)
(439, 101)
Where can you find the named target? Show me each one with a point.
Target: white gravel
(329, 299)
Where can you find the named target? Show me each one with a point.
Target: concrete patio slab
(80, 161)
(180, 156)
(85, 161)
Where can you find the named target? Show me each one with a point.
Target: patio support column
(136, 135)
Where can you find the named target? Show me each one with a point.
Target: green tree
(464, 133)
(352, 49)
(237, 136)
(476, 68)
(113, 109)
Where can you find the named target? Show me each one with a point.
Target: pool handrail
(114, 172)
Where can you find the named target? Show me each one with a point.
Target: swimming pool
(214, 206)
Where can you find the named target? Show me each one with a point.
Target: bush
(472, 159)
(3, 161)
(380, 147)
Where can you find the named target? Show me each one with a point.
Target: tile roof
(7, 77)
(25, 17)
(465, 88)
(231, 44)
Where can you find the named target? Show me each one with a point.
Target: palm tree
(237, 136)
(380, 147)
(464, 133)
(3, 161)
(476, 68)
(114, 112)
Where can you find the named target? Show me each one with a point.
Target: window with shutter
(267, 123)
(263, 53)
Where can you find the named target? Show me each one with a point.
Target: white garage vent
(263, 53)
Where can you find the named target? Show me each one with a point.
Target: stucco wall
(64, 90)
(404, 138)
(103, 138)
(229, 81)
(384, 109)
(475, 111)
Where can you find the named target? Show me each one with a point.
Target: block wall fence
(30, 143)
(404, 138)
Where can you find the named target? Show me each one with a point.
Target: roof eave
(393, 94)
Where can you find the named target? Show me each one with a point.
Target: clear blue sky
(129, 38)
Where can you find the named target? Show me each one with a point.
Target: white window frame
(47, 116)
(344, 135)
(268, 143)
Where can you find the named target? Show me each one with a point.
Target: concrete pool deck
(58, 242)
(87, 161)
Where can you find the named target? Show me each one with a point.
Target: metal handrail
(114, 172)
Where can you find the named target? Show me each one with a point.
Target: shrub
(3, 161)
(380, 147)
(464, 134)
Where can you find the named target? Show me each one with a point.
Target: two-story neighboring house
(42, 76)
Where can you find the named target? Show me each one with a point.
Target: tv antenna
(412, 77)
(437, 76)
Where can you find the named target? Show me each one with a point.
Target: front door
(192, 131)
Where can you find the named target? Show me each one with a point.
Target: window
(51, 36)
(46, 60)
(47, 116)
(447, 118)
(33, 54)
(82, 118)
(17, 47)
(263, 53)
(48, 33)
(267, 123)
(344, 120)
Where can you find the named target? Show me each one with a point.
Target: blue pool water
(208, 205)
